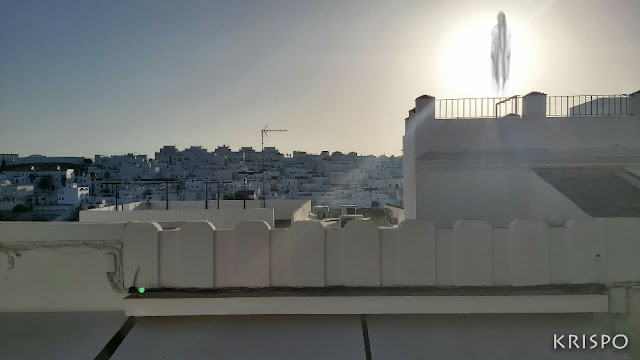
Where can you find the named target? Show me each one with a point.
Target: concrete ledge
(523, 304)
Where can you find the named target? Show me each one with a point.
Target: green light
(140, 290)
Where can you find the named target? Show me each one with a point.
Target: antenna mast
(265, 132)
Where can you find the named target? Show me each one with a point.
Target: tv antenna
(265, 132)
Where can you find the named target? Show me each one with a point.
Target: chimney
(534, 105)
(425, 110)
(425, 106)
(634, 104)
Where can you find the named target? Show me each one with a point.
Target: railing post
(463, 103)
(446, 115)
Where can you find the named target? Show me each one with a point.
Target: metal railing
(556, 106)
(575, 105)
(477, 107)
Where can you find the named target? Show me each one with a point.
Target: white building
(72, 194)
(11, 195)
(500, 169)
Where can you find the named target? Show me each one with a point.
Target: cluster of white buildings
(331, 179)
(41, 188)
(327, 179)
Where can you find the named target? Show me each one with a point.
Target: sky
(79, 78)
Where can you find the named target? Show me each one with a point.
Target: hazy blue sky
(109, 77)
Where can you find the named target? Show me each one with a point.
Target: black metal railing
(477, 107)
(576, 105)
(556, 106)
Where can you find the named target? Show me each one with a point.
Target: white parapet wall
(301, 210)
(221, 219)
(242, 256)
(527, 253)
(228, 216)
(69, 266)
(408, 254)
(298, 255)
(283, 208)
(187, 256)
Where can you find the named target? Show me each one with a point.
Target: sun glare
(465, 60)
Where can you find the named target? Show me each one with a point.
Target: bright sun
(466, 59)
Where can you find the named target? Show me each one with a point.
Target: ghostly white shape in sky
(500, 52)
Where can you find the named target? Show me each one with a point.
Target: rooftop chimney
(534, 105)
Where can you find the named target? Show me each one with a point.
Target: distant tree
(19, 208)
(87, 161)
(3, 165)
(63, 181)
(92, 175)
(32, 177)
(46, 182)
(107, 175)
(238, 195)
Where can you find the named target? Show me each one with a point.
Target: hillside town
(45, 188)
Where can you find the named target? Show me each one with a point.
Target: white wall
(297, 255)
(11, 231)
(527, 252)
(408, 254)
(57, 278)
(497, 195)
(301, 212)
(473, 253)
(242, 257)
(409, 175)
(467, 136)
(284, 209)
(221, 219)
(187, 256)
(480, 168)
